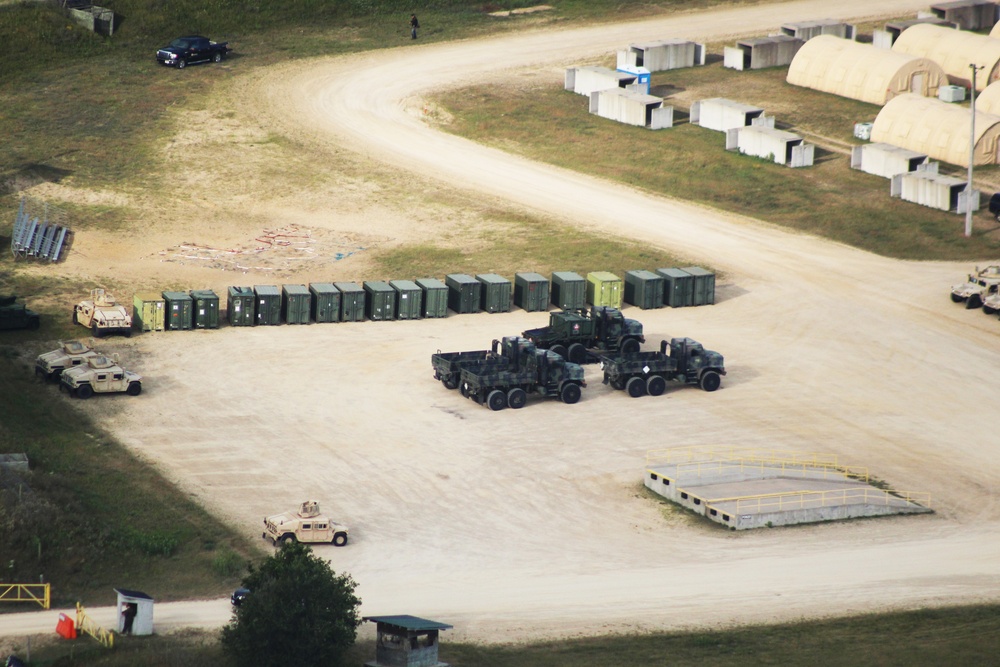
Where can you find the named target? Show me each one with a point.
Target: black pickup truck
(185, 51)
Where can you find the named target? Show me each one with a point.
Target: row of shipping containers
(263, 305)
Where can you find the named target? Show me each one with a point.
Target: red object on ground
(66, 627)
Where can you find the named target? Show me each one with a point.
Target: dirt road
(519, 525)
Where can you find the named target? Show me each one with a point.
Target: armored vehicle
(530, 370)
(571, 333)
(308, 525)
(980, 285)
(100, 375)
(991, 304)
(15, 315)
(102, 315)
(683, 360)
(448, 365)
(70, 353)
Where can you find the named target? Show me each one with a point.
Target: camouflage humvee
(103, 315)
(50, 365)
(307, 525)
(100, 375)
(981, 285)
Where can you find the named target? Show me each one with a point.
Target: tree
(299, 612)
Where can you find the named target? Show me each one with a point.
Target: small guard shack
(406, 641)
(139, 606)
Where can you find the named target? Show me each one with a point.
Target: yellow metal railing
(39, 593)
(700, 453)
(791, 500)
(86, 625)
(823, 470)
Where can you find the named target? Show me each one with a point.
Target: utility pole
(972, 152)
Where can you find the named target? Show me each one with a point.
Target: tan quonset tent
(954, 51)
(937, 129)
(988, 101)
(995, 32)
(862, 71)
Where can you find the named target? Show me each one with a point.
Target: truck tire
(974, 301)
(95, 331)
(340, 539)
(709, 381)
(84, 391)
(577, 353)
(465, 389)
(496, 400)
(988, 310)
(954, 297)
(629, 346)
(218, 59)
(635, 387)
(560, 350)
(134, 389)
(570, 393)
(182, 63)
(450, 381)
(516, 398)
(288, 538)
(77, 321)
(655, 385)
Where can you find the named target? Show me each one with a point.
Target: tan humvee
(103, 315)
(70, 353)
(307, 525)
(100, 375)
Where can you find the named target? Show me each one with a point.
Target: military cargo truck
(102, 315)
(448, 365)
(571, 333)
(100, 375)
(530, 370)
(308, 525)
(15, 315)
(50, 365)
(981, 285)
(682, 360)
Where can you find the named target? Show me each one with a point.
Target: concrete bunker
(718, 113)
(743, 489)
(781, 147)
(586, 80)
(927, 187)
(967, 14)
(761, 52)
(886, 160)
(806, 30)
(632, 108)
(663, 55)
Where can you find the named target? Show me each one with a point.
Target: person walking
(414, 24)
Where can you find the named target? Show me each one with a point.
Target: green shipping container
(704, 285)
(678, 287)
(435, 295)
(463, 292)
(569, 290)
(296, 304)
(494, 295)
(268, 304)
(206, 309)
(381, 300)
(409, 299)
(604, 289)
(531, 291)
(178, 310)
(325, 302)
(148, 312)
(644, 289)
(352, 302)
(240, 307)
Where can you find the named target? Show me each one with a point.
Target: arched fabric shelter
(862, 71)
(937, 129)
(954, 51)
(988, 101)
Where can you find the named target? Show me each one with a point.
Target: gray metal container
(494, 295)
(409, 299)
(644, 289)
(178, 310)
(704, 286)
(531, 291)
(206, 309)
(352, 302)
(268, 304)
(381, 300)
(463, 292)
(240, 307)
(678, 287)
(296, 304)
(435, 295)
(325, 302)
(569, 290)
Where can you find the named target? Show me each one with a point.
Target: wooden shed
(139, 607)
(406, 641)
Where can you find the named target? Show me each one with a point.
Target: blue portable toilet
(641, 73)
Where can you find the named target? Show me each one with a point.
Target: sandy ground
(529, 524)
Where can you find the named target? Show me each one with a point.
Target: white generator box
(863, 131)
(951, 94)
